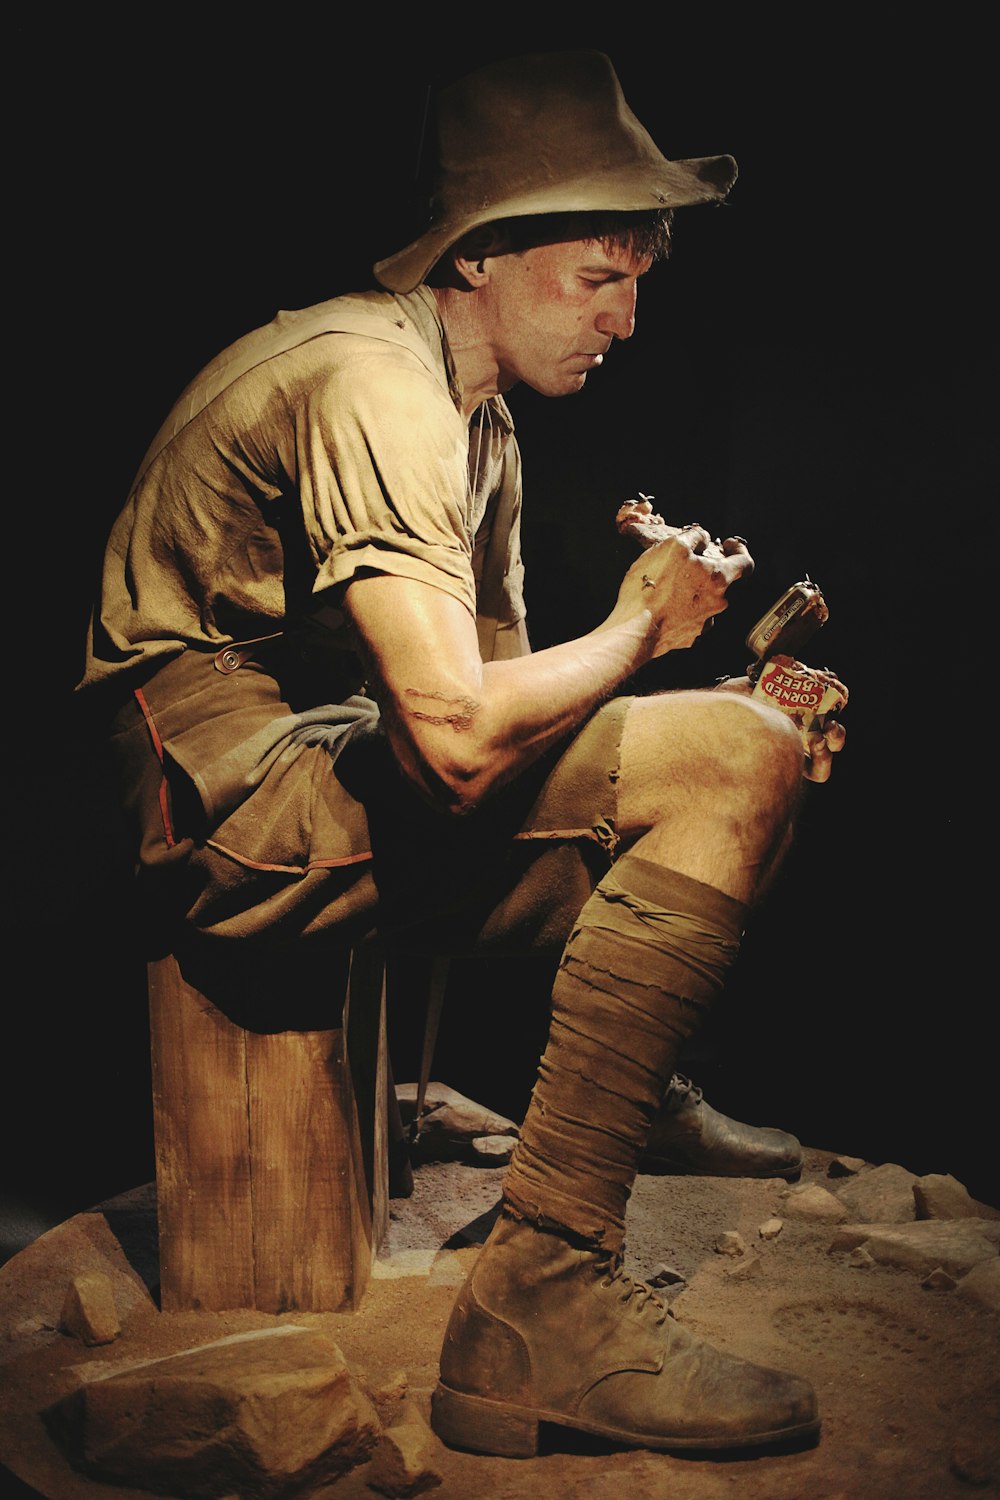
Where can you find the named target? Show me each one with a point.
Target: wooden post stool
(271, 1146)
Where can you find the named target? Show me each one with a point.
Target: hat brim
(670, 184)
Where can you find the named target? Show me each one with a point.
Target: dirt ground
(907, 1375)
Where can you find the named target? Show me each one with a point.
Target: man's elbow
(458, 784)
(444, 748)
(454, 779)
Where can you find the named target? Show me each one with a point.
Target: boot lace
(639, 1293)
(679, 1090)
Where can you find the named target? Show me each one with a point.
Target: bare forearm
(460, 747)
(460, 728)
(531, 701)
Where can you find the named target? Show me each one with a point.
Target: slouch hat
(546, 133)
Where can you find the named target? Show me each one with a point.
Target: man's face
(555, 309)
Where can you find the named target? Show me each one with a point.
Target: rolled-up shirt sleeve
(382, 469)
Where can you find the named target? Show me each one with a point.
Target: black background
(812, 370)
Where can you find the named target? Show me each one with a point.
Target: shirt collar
(421, 308)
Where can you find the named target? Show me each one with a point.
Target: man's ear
(473, 250)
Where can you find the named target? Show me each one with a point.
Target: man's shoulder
(382, 320)
(381, 317)
(376, 313)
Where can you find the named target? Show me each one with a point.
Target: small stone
(89, 1312)
(882, 1195)
(939, 1196)
(939, 1281)
(402, 1464)
(730, 1242)
(743, 1270)
(810, 1201)
(664, 1275)
(770, 1229)
(861, 1259)
(845, 1166)
(493, 1150)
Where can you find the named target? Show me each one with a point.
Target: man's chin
(566, 385)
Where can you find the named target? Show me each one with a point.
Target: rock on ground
(254, 1415)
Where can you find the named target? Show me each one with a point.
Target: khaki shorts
(336, 845)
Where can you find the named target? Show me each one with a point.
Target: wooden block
(271, 1150)
(203, 1188)
(368, 1066)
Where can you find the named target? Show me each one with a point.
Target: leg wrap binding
(649, 953)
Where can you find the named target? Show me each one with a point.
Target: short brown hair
(642, 232)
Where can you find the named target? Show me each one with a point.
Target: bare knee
(711, 753)
(761, 747)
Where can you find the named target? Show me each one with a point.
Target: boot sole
(504, 1430)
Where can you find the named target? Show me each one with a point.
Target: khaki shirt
(300, 456)
(328, 442)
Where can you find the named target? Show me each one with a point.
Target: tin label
(801, 696)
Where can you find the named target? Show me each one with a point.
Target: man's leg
(687, 1135)
(548, 1327)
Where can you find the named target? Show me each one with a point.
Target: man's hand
(682, 581)
(823, 735)
(822, 743)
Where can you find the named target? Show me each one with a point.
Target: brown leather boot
(689, 1136)
(544, 1331)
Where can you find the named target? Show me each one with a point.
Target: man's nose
(616, 318)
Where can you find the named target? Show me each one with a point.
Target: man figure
(329, 522)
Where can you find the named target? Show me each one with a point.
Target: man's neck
(475, 362)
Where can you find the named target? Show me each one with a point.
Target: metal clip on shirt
(232, 657)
